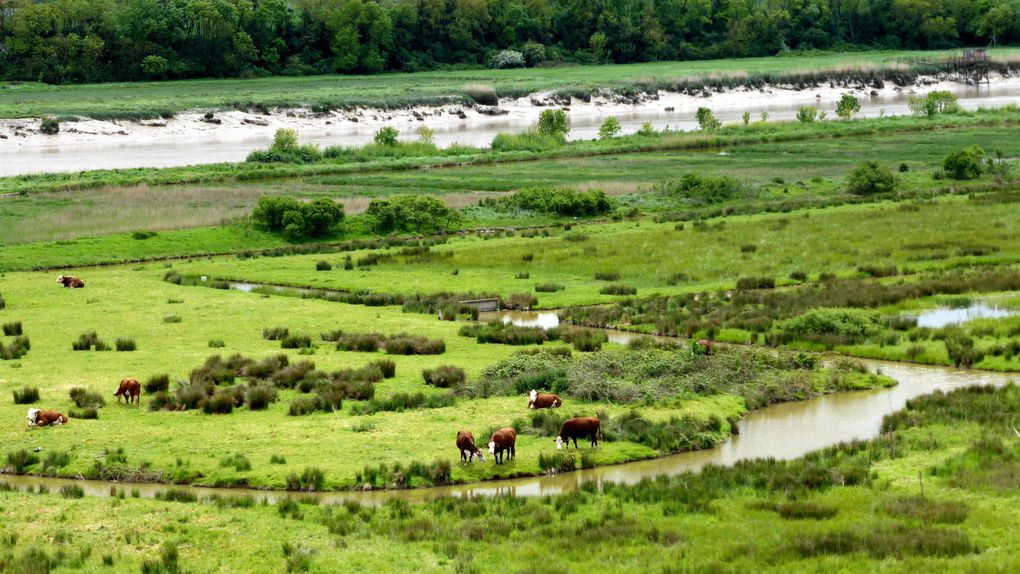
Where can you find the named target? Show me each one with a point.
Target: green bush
(707, 120)
(26, 396)
(871, 177)
(285, 149)
(848, 107)
(444, 376)
(13, 329)
(831, 325)
(609, 128)
(553, 123)
(386, 136)
(414, 213)
(125, 345)
(964, 164)
(83, 398)
(49, 126)
(157, 383)
(565, 202)
(696, 189)
(807, 114)
(529, 140)
(295, 219)
(505, 59)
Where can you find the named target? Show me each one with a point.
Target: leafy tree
(609, 128)
(848, 107)
(807, 114)
(386, 136)
(706, 120)
(505, 59)
(964, 164)
(553, 123)
(426, 135)
(871, 177)
(417, 213)
(297, 220)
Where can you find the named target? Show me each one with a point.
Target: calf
(69, 281)
(129, 389)
(583, 427)
(537, 400)
(467, 448)
(41, 418)
(503, 440)
(706, 345)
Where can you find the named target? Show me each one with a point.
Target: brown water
(57, 155)
(782, 431)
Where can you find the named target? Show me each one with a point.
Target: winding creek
(783, 431)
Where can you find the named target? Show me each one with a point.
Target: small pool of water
(945, 316)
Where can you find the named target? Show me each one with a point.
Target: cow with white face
(41, 418)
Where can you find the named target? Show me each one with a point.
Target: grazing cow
(707, 345)
(41, 418)
(583, 427)
(69, 281)
(467, 448)
(503, 440)
(537, 400)
(129, 389)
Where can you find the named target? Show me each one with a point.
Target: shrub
(410, 345)
(798, 276)
(275, 333)
(871, 177)
(285, 149)
(12, 329)
(89, 413)
(521, 301)
(49, 126)
(221, 403)
(386, 136)
(609, 128)
(444, 377)
(530, 140)
(412, 213)
(323, 266)
(87, 341)
(807, 114)
(749, 283)
(505, 333)
(964, 164)
(295, 219)
(607, 276)
(387, 367)
(565, 202)
(360, 342)
(83, 398)
(844, 325)
(236, 460)
(707, 120)
(585, 340)
(848, 107)
(296, 342)
(696, 189)
(933, 103)
(505, 59)
(26, 396)
(548, 287)
(157, 383)
(553, 123)
(259, 397)
(425, 135)
(618, 290)
(277, 459)
(170, 319)
(18, 461)
(216, 344)
(304, 405)
(310, 479)
(125, 345)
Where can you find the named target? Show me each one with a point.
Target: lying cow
(582, 427)
(129, 389)
(69, 281)
(706, 345)
(503, 440)
(467, 448)
(537, 400)
(41, 418)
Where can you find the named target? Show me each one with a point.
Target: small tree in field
(386, 136)
(747, 118)
(426, 135)
(871, 177)
(706, 120)
(848, 107)
(610, 128)
(553, 123)
(964, 164)
(807, 114)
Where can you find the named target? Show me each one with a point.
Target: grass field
(765, 516)
(154, 98)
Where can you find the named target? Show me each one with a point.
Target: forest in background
(83, 41)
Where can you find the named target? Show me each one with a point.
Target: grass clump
(13, 329)
(87, 413)
(125, 345)
(83, 398)
(444, 376)
(618, 290)
(157, 383)
(26, 396)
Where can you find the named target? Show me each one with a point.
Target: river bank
(192, 138)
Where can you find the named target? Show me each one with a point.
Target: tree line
(70, 41)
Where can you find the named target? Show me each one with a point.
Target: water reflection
(945, 316)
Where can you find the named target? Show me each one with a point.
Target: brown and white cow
(41, 418)
(129, 389)
(706, 345)
(581, 427)
(537, 400)
(503, 440)
(69, 281)
(467, 448)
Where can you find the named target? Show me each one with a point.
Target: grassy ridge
(147, 99)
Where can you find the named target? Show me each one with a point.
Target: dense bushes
(26, 396)
(830, 326)
(497, 331)
(87, 341)
(16, 349)
(296, 219)
(964, 164)
(157, 383)
(13, 329)
(399, 402)
(412, 345)
(871, 177)
(618, 290)
(444, 376)
(83, 398)
(696, 189)
(285, 149)
(411, 213)
(564, 202)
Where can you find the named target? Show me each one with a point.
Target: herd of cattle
(505, 440)
(502, 441)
